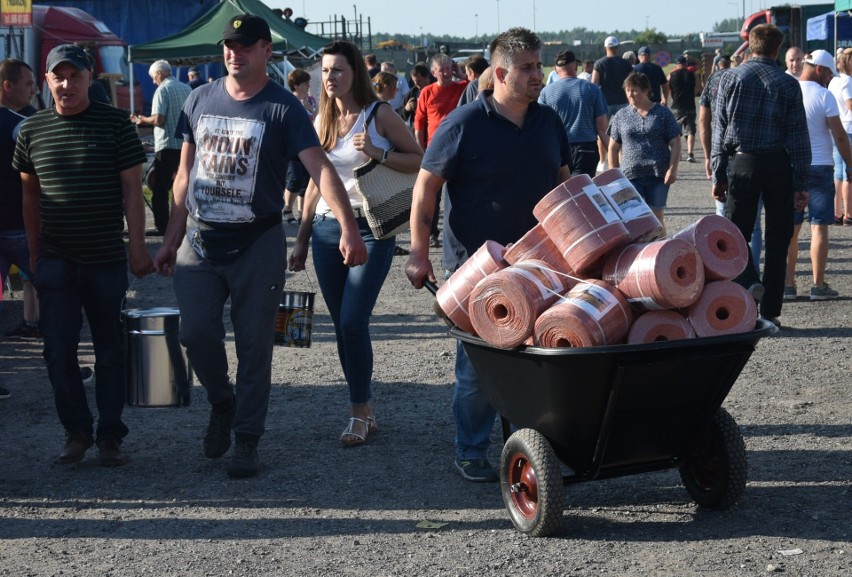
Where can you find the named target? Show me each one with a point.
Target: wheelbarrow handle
(431, 287)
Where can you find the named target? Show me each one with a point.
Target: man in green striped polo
(81, 170)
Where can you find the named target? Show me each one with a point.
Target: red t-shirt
(434, 104)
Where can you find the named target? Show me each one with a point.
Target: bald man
(793, 59)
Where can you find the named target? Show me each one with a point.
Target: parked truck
(793, 21)
(55, 25)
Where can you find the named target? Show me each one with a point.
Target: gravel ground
(394, 506)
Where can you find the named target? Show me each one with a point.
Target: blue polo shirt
(495, 173)
(578, 103)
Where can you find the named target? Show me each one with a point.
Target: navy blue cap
(70, 53)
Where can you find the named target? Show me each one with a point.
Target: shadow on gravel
(787, 429)
(788, 332)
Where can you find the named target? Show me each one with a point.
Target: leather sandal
(350, 438)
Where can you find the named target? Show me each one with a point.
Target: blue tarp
(822, 28)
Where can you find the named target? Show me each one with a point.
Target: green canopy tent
(197, 43)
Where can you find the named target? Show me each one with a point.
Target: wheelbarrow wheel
(531, 483)
(715, 470)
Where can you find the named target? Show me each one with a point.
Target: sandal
(350, 438)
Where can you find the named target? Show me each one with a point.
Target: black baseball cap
(565, 58)
(246, 29)
(70, 53)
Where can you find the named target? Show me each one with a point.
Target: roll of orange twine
(641, 222)
(536, 245)
(581, 222)
(723, 308)
(593, 313)
(453, 296)
(664, 274)
(655, 326)
(720, 243)
(505, 304)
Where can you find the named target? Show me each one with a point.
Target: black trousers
(166, 163)
(749, 177)
(584, 158)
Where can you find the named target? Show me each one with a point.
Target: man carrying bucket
(81, 171)
(225, 236)
(499, 156)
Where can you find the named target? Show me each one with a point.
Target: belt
(757, 153)
(359, 213)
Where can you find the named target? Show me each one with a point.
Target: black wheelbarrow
(613, 411)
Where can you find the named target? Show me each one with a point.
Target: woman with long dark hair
(346, 101)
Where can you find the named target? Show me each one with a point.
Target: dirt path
(394, 507)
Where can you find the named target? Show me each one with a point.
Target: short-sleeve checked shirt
(644, 140)
(168, 101)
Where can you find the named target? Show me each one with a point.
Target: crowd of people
(241, 155)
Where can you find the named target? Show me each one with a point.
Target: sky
(468, 18)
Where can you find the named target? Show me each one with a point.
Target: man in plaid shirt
(760, 148)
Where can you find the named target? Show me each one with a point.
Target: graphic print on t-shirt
(226, 161)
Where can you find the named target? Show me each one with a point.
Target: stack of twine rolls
(513, 296)
(724, 307)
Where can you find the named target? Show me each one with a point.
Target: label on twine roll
(599, 200)
(647, 303)
(594, 300)
(544, 280)
(626, 200)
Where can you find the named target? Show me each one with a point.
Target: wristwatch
(385, 154)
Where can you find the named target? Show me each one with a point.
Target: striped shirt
(758, 109)
(78, 160)
(168, 102)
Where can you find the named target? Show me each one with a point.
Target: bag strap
(373, 113)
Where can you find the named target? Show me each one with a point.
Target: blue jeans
(474, 416)
(839, 165)
(820, 196)
(653, 190)
(350, 294)
(14, 251)
(64, 288)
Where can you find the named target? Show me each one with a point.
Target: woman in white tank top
(346, 100)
